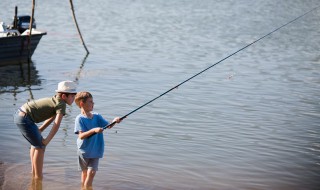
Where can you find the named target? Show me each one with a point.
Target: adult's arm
(46, 123)
(55, 127)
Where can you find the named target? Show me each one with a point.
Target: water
(251, 122)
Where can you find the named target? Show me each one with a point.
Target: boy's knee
(91, 172)
(90, 175)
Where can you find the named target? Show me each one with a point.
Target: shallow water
(250, 122)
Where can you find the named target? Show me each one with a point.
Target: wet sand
(14, 176)
(1, 174)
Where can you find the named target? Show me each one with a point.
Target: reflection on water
(19, 78)
(78, 75)
(35, 184)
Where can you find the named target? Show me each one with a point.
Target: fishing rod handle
(109, 126)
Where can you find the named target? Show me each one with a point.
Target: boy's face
(88, 105)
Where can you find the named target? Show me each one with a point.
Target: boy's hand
(117, 120)
(98, 130)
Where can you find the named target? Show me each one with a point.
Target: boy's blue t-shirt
(93, 146)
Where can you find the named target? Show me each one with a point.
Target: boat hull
(14, 49)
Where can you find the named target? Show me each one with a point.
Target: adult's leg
(37, 162)
(36, 184)
(31, 132)
(31, 158)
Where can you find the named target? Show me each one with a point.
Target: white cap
(67, 87)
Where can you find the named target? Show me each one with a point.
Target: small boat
(14, 41)
(22, 23)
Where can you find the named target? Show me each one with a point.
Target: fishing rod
(204, 70)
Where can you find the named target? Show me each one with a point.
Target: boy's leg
(90, 175)
(37, 161)
(83, 177)
(92, 168)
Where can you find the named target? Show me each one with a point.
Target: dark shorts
(29, 129)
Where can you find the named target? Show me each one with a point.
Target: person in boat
(46, 110)
(89, 127)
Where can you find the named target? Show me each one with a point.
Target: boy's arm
(46, 123)
(83, 135)
(55, 127)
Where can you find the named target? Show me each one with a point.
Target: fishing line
(204, 70)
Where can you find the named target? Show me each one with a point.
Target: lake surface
(250, 122)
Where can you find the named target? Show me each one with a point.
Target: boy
(90, 142)
(49, 110)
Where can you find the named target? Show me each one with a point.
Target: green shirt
(43, 109)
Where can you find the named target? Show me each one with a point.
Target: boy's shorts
(88, 163)
(29, 129)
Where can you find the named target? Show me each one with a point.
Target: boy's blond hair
(82, 97)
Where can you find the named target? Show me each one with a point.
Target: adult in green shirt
(46, 110)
